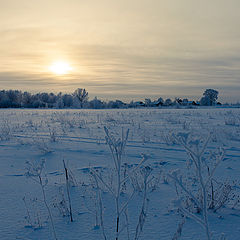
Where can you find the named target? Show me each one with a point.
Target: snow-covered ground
(78, 137)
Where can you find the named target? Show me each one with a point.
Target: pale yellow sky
(124, 49)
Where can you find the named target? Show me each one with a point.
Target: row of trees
(79, 99)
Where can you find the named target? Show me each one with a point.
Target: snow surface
(78, 137)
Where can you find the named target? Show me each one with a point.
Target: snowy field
(142, 195)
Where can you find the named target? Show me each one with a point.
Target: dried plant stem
(48, 209)
(178, 233)
(68, 192)
(99, 196)
(143, 214)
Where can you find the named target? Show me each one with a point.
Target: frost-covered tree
(59, 101)
(14, 97)
(82, 95)
(96, 103)
(168, 102)
(185, 102)
(148, 102)
(4, 99)
(26, 100)
(116, 104)
(160, 101)
(209, 98)
(67, 100)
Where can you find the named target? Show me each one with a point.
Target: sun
(60, 68)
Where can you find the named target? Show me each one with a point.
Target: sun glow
(60, 68)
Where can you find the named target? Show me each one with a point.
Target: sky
(128, 49)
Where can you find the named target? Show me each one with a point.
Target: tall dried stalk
(68, 192)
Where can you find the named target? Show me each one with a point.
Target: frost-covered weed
(90, 202)
(42, 145)
(232, 134)
(146, 180)
(65, 120)
(197, 197)
(52, 134)
(232, 119)
(61, 203)
(145, 136)
(143, 177)
(221, 195)
(34, 219)
(115, 186)
(35, 171)
(168, 138)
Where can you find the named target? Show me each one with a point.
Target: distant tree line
(79, 99)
